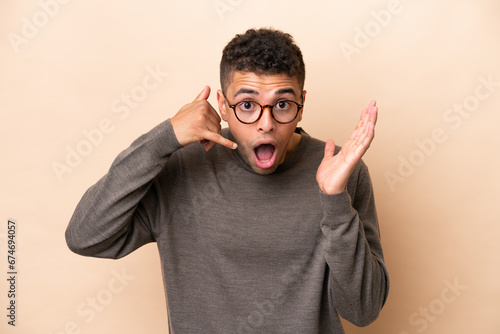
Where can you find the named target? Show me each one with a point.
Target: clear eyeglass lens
(285, 111)
(248, 111)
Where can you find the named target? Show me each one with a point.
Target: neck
(292, 145)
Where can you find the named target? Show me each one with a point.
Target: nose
(266, 122)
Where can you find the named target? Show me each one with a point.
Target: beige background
(66, 65)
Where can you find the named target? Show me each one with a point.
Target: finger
(218, 139)
(213, 126)
(214, 115)
(367, 134)
(213, 123)
(368, 119)
(360, 128)
(365, 143)
(205, 93)
(329, 149)
(209, 145)
(368, 110)
(361, 133)
(373, 115)
(363, 113)
(370, 113)
(204, 108)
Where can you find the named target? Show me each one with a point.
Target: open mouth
(265, 155)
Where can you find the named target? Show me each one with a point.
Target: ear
(221, 101)
(299, 116)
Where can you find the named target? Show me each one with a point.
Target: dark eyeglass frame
(270, 106)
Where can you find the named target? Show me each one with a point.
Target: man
(262, 228)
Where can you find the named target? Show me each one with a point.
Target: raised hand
(198, 121)
(335, 170)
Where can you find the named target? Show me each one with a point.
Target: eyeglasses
(249, 112)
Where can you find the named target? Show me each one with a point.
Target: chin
(264, 171)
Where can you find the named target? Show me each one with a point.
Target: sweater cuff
(337, 209)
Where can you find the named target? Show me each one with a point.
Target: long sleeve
(110, 220)
(358, 279)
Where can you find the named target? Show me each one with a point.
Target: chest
(262, 222)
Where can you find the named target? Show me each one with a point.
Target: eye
(283, 105)
(247, 106)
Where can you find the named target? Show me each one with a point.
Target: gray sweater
(240, 252)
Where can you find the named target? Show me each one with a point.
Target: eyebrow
(246, 91)
(254, 92)
(286, 91)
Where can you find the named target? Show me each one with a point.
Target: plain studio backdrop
(80, 80)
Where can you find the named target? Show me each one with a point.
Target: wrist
(332, 189)
(177, 129)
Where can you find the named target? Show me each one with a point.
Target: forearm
(358, 277)
(109, 220)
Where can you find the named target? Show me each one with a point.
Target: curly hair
(265, 51)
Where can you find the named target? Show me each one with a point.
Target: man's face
(265, 143)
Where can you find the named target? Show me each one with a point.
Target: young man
(262, 229)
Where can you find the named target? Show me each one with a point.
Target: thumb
(205, 93)
(329, 149)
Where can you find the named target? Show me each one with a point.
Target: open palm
(335, 170)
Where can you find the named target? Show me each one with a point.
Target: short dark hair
(264, 51)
